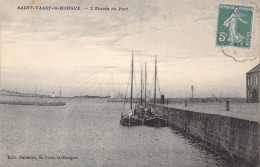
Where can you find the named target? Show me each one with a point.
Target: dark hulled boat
(142, 115)
(156, 121)
(154, 118)
(131, 118)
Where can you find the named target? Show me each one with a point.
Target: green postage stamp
(235, 25)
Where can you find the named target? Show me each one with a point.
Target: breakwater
(36, 101)
(237, 139)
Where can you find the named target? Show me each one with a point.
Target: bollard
(185, 103)
(227, 106)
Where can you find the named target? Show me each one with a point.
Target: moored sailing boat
(153, 118)
(131, 118)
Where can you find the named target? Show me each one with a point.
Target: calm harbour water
(89, 129)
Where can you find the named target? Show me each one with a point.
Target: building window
(251, 80)
(257, 80)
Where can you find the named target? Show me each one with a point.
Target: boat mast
(60, 91)
(155, 78)
(145, 77)
(35, 91)
(141, 85)
(132, 73)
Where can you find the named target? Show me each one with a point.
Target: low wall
(37, 101)
(237, 138)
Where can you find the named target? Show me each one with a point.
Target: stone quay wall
(236, 138)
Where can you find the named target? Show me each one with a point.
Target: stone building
(253, 85)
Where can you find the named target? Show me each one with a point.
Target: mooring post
(227, 106)
(185, 103)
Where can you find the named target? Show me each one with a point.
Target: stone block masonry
(235, 138)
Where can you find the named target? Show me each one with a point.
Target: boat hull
(131, 121)
(156, 122)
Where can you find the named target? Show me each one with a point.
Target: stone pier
(225, 135)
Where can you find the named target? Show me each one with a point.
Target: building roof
(255, 69)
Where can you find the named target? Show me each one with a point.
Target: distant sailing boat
(131, 118)
(155, 119)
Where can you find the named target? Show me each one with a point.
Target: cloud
(63, 25)
(91, 50)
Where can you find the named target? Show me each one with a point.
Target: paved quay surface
(247, 111)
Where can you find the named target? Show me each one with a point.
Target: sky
(88, 52)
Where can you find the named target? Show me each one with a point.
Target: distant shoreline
(33, 103)
(28, 100)
(90, 96)
(4, 92)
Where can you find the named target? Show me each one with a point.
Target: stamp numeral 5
(222, 36)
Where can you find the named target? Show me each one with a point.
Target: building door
(255, 96)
